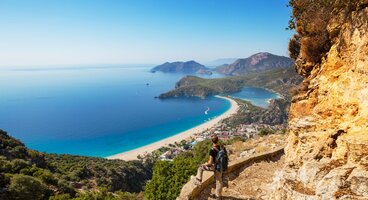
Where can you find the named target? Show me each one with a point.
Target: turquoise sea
(97, 111)
(258, 96)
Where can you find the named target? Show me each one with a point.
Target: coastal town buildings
(224, 132)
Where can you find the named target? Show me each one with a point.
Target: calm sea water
(258, 96)
(96, 111)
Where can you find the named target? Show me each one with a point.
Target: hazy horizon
(57, 33)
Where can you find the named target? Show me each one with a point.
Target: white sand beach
(132, 154)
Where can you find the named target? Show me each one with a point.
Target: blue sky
(45, 32)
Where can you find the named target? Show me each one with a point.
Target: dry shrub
(294, 46)
(314, 47)
(310, 19)
(262, 149)
(237, 146)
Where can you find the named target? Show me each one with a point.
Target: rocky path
(250, 182)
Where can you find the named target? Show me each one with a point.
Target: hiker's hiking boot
(225, 182)
(195, 180)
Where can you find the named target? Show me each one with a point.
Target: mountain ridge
(261, 61)
(220, 61)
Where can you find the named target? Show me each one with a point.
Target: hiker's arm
(210, 161)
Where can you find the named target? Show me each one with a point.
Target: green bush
(157, 186)
(37, 158)
(65, 187)
(104, 194)
(5, 166)
(26, 187)
(265, 131)
(18, 164)
(29, 170)
(169, 177)
(19, 152)
(45, 176)
(3, 182)
(60, 197)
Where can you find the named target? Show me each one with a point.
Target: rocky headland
(278, 80)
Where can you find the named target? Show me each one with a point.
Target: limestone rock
(327, 150)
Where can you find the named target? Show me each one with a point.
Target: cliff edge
(327, 149)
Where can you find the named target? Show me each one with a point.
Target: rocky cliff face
(327, 150)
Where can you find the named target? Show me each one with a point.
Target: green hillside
(29, 174)
(279, 80)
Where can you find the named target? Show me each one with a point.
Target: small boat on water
(206, 111)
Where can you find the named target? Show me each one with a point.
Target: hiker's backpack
(221, 160)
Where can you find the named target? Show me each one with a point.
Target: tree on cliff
(169, 177)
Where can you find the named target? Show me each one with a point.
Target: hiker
(217, 163)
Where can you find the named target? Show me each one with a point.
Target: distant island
(256, 63)
(189, 67)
